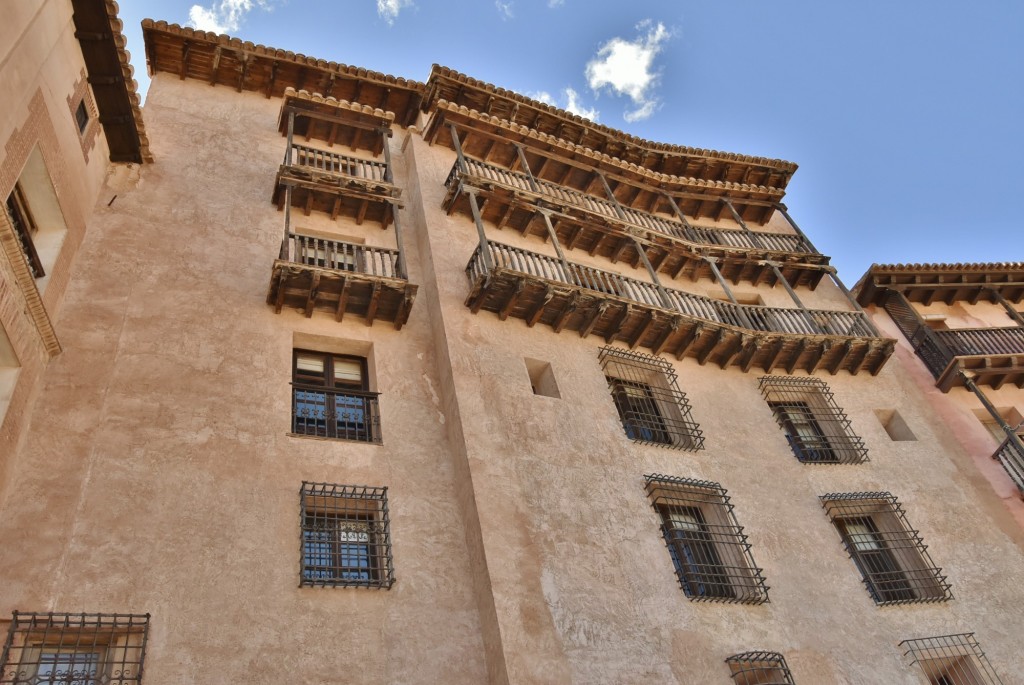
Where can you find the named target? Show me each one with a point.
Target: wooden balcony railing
(334, 163)
(341, 277)
(779, 242)
(535, 287)
(1011, 455)
(992, 355)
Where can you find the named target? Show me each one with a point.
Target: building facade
(364, 379)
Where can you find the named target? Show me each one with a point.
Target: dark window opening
(82, 116)
(26, 228)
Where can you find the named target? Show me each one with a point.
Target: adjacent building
(344, 377)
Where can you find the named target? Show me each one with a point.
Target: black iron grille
(760, 668)
(707, 545)
(890, 555)
(75, 649)
(652, 407)
(817, 429)
(346, 536)
(342, 414)
(952, 660)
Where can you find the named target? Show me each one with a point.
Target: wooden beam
(773, 357)
(570, 306)
(361, 214)
(643, 330)
(538, 310)
(733, 351)
(505, 215)
(339, 311)
(215, 66)
(623, 244)
(595, 313)
(688, 340)
(309, 202)
(797, 353)
(705, 354)
(620, 320)
(750, 354)
(371, 311)
(271, 78)
(311, 299)
(404, 308)
(821, 352)
(281, 281)
(185, 49)
(670, 330)
(840, 360)
(513, 298)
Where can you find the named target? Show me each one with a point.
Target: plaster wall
(966, 315)
(158, 474)
(582, 585)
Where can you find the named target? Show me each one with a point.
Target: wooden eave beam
(371, 311)
(538, 309)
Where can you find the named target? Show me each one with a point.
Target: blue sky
(905, 117)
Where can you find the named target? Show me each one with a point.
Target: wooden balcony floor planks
(565, 307)
(340, 293)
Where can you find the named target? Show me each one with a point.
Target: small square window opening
(82, 116)
(542, 379)
(895, 426)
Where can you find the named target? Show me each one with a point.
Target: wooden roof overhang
(110, 75)
(448, 85)
(357, 126)
(927, 283)
(494, 140)
(990, 369)
(309, 288)
(221, 60)
(507, 292)
(513, 208)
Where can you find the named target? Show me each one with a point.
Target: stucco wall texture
(157, 474)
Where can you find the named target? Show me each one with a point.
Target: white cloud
(555, 3)
(505, 9)
(572, 103)
(627, 68)
(388, 9)
(223, 16)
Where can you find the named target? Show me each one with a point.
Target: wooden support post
(215, 66)
(620, 321)
(792, 294)
(592, 318)
(287, 221)
(679, 213)
(526, 167)
(400, 270)
(538, 310)
(460, 157)
(743, 224)
(611, 196)
(371, 311)
(853, 301)
(339, 312)
(485, 252)
(291, 134)
(554, 240)
(404, 308)
(185, 48)
(1014, 314)
(642, 332)
(665, 300)
(712, 262)
(271, 79)
(279, 302)
(782, 209)
(314, 286)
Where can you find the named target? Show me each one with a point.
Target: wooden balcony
(586, 222)
(336, 184)
(341, 278)
(1011, 455)
(510, 281)
(992, 356)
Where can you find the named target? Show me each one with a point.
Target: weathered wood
(733, 351)
(215, 66)
(749, 354)
(797, 353)
(512, 299)
(595, 313)
(624, 313)
(709, 349)
(570, 307)
(538, 310)
(688, 340)
(339, 311)
(185, 48)
(670, 330)
(281, 283)
(773, 357)
(313, 292)
(371, 311)
(841, 359)
(642, 332)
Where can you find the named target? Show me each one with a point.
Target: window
(74, 649)
(651, 406)
(889, 554)
(951, 660)
(330, 397)
(816, 428)
(542, 378)
(894, 425)
(707, 546)
(346, 536)
(760, 668)
(81, 116)
(26, 228)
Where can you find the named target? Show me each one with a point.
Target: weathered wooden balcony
(337, 184)
(993, 356)
(511, 199)
(1011, 455)
(511, 281)
(341, 278)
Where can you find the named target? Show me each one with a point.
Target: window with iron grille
(26, 228)
(889, 554)
(331, 397)
(951, 660)
(760, 668)
(707, 545)
(346, 536)
(652, 407)
(816, 428)
(75, 649)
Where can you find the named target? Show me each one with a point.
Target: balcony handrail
(336, 391)
(337, 163)
(340, 255)
(983, 341)
(705, 235)
(1011, 455)
(745, 316)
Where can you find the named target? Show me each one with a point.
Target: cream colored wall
(965, 315)
(157, 474)
(578, 579)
